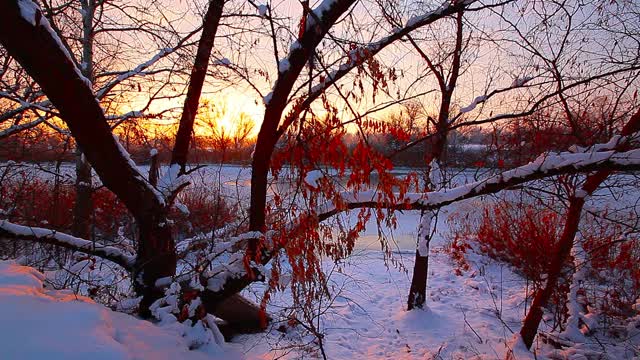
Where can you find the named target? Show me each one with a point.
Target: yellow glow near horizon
(226, 110)
(223, 107)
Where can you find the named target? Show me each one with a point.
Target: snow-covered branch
(20, 127)
(446, 9)
(26, 105)
(546, 165)
(138, 70)
(47, 236)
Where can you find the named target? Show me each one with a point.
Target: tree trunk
(83, 205)
(211, 20)
(156, 258)
(418, 290)
(560, 255)
(563, 247)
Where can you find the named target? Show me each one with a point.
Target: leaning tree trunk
(560, 256)
(563, 247)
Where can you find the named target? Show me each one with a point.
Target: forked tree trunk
(418, 290)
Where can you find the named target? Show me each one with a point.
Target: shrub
(613, 268)
(524, 235)
(518, 233)
(32, 200)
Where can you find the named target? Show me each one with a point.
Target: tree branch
(47, 236)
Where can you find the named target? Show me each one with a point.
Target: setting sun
(226, 112)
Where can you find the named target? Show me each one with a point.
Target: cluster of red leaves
(520, 234)
(34, 201)
(45, 203)
(369, 67)
(316, 143)
(614, 259)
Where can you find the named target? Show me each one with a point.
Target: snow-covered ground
(473, 315)
(36, 323)
(366, 320)
(467, 316)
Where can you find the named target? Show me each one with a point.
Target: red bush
(33, 201)
(36, 202)
(207, 210)
(518, 233)
(614, 260)
(524, 235)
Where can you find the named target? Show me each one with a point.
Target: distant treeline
(478, 148)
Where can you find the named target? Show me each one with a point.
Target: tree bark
(196, 81)
(418, 289)
(565, 243)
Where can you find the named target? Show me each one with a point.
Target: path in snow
(369, 319)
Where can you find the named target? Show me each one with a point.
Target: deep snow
(37, 323)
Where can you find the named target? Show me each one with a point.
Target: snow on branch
(47, 236)
(17, 128)
(172, 181)
(25, 105)
(233, 278)
(478, 100)
(546, 165)
(31, 12)
(134, 72)
(446, 9)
